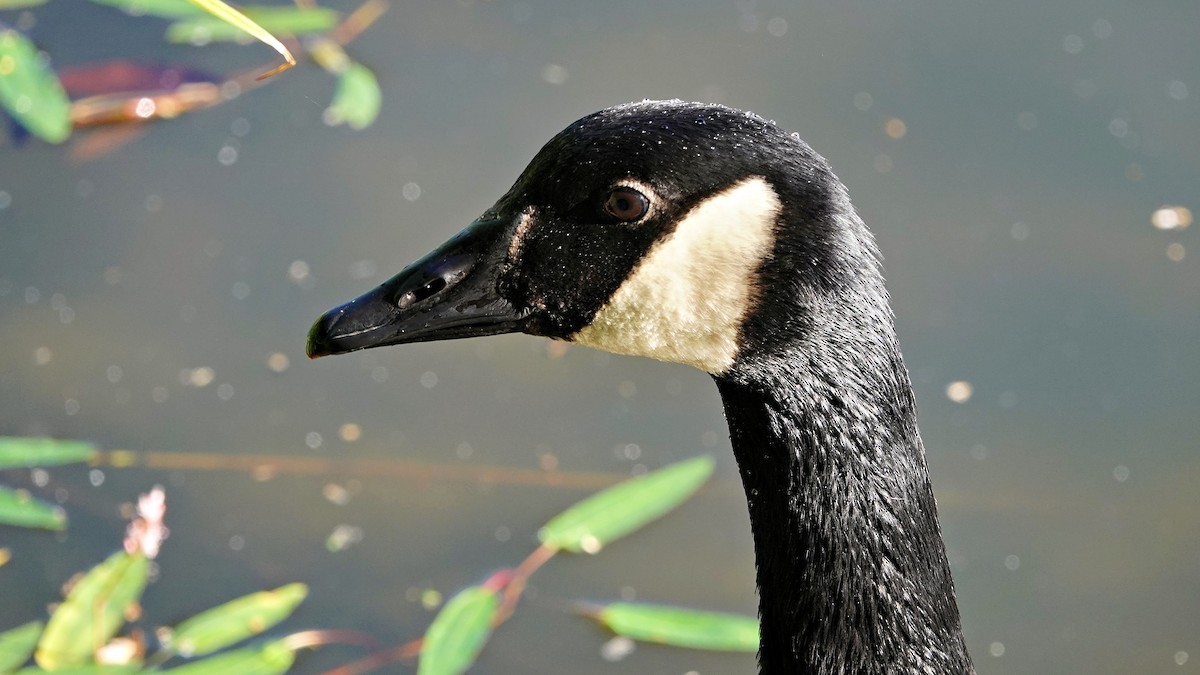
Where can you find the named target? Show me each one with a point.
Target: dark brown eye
(626, 204)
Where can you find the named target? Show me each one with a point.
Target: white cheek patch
(685, 301)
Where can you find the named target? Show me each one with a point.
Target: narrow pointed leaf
(458, 633)
(287, 21)
(623, 508)
(30, 91)
(16, 645)
(20, 4)
(271, 658)
(17, 451)
(18, 507)
(94, 610)
(166, 9)
(681, 627)
(235, 620)
(89, 669)
(357, 99)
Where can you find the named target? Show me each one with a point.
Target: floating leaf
(29, 91)
(235, 620)
(16, 645)
(267, 659)
(288, 21)
(16, 451)
(458, 632)
(167, 9)
(681, 627)
(90, 669)
(94, 610)
(612, 513)
(18, 507)
(357, 100)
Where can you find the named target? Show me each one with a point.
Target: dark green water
(1014, 213)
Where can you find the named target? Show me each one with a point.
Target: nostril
(431, 288)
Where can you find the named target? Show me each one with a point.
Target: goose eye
(626, 204)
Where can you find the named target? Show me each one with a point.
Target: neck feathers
(852, 571)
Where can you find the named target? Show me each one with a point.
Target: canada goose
(704, 235)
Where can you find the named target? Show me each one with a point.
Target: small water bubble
(361, 269)
(1176, 252)
(114, 374)
(632, 451)
(777, 27)
(552, 73)
(1181, 657)
(979, 451)
(71, 406)
(996, 649)
(617, 649)
(241, 290)
(153, 203)
(1176, 89)
(502, 534)
(313, 440)
(863, 101)
(1102, 29)
(464, 451)
(298, 271)
(628, 593)
(96, 477)
(748, 23)
(1019, 231)
(411, 192)
(882, 163)
(32, 295)
(237, 542)
(278, 362)
(40, 477)
(959, 391)
(379, 374)
(429, 379)
(1072, 44)
(225, 391)
(240, 127)
(1120, 473)
(1012, 563)
(42, 356)
(227, 155)
(350, 432)
(5, 200)
(159, 394)
(1118, 127)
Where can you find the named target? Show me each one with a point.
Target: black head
(657, 228)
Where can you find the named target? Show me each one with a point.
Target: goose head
(682, 232)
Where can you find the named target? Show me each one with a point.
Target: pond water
(1010, 158)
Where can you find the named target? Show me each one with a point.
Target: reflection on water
(1030, 172)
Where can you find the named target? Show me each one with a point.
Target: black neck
(852, 571)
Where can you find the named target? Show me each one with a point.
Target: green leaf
(30, 91)
(20, 4)
(357, 99)
(94, 610)
(235, 620)
(458, 632)
(89, 669)
(16, 645)
(682, 627)
(18, 451)
(166, 9)
(287, 21)
(18, 507)
(612, 513)
(267, 659)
